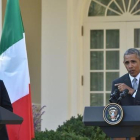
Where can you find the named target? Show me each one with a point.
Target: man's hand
(122, 87)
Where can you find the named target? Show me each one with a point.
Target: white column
(75, 45)
(54, 63)
(73, 57)
(62, 61)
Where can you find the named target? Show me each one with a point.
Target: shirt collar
(137, 77)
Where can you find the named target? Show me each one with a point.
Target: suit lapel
(129, 100)
(138, 94)
(127, 80)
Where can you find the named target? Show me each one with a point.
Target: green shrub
(73, 129)
(75, 125)
(54, 135)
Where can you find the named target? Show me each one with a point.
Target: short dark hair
(132, 51)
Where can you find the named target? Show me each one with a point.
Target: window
(114, 7)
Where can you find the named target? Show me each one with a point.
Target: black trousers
(3, 133)
(138, 138)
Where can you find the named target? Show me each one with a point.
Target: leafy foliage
(75, 125)
(73, 129)
(52, 135)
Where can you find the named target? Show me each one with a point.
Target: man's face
(132, 64)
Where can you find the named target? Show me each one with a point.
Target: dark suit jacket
(5, 103)
(128, 100)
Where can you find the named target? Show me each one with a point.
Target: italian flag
(14, 71)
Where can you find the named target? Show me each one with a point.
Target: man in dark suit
(132, 64)
(5, 103)
(131, 80)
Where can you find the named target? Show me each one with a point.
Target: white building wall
(76, 13)
(54, 81)
(62, 60)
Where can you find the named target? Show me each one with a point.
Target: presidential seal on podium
(113, 113)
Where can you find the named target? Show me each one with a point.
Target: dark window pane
(96, 99)
(138, 13)
(126, 4)
(96, 9)
(112, 60)
(136, 8)
(96, 60)
(137, 38)
(107, 98)
(112, 39)
(105, 2)
(110, 76)
(115, 7)
(96, 39)
(120, 4)
(111, 13)
(96, 81)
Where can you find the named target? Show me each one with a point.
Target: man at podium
(130, 80)
(5, 103)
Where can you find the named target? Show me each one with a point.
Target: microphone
(114, 95)
(123, 95)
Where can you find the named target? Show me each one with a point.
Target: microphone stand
(118, 102)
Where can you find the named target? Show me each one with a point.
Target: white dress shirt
(131, 79)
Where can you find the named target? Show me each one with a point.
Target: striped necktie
(135, 85)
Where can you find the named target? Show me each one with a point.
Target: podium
(128, 127)
(8, 117)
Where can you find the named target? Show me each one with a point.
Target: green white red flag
(14, 71)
